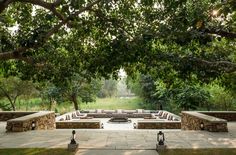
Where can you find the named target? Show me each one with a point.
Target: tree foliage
(184, 41)
(191, 97)
(54, 39)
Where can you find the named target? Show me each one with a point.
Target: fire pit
(119, 119)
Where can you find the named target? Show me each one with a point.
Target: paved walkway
(116, 152)
(120, 140)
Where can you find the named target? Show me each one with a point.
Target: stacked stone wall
(190, 121)
(95, 124)
(159, 125)
(41, 121)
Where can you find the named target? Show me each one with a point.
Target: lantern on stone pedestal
(160, 138)
(73, 138)
(73, 146)
(160, 141)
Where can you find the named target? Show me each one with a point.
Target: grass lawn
(61, 151)
(35, 151)
(215, 151)
(114, 103)
(37, 104)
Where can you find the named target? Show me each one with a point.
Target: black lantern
(73, 138)
(160, 138)
(102, 126)
(33, 125)
(135, 125)
(201, 126)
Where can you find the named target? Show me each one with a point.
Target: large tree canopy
(46, 39)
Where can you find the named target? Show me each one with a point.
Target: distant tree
(133, 83)
(52, 94)
(109, 88)
(148, 89)
(79, 86)
(12, 87)
(89, 90)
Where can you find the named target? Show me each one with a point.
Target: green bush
(221, 99)
(191, 97)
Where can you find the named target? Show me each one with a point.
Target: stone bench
(105, 115)
(79, 124)
(192, 120)
(42, 120)
(154, 124)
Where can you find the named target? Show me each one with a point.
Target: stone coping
(81, 120)
(223, 112)
(157, 121)
(7, 115)
(31, 116)
(205, 117)
(15, 112)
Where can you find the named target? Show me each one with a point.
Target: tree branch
(225, 66)
(17, 53)
(49, 6)
(4, 4)
(86, 7)
(57, 3)
(198, 63)
(229, 35)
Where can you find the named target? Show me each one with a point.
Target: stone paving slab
(117, 139)
(116, 152)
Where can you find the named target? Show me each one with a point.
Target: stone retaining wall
(81, 124)
(158, 125)
(43, 121)
(7, 115)
(193, 120)
(227, 115)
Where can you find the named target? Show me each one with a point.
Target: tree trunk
(13, 106)
(75, 102)
(10, 100)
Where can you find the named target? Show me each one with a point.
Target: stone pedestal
(73, 147)
(160, 147)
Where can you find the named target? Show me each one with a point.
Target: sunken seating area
(77, 120)
(138, 113)
(145, 119)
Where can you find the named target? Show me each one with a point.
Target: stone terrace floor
(117, 141)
